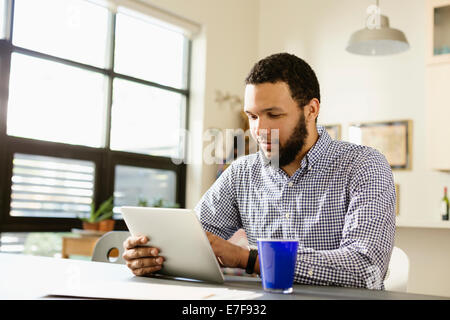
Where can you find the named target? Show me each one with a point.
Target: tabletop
(34, 277)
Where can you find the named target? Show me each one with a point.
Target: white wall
(357, 89)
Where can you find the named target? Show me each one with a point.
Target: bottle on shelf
(445, 205)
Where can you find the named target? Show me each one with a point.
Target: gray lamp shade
(378, 41)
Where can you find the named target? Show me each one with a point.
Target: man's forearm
(340, 267)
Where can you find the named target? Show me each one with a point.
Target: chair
(398, 271)
(109, 248)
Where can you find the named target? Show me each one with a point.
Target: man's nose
(261, 128)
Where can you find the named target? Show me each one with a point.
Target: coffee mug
(277, 258)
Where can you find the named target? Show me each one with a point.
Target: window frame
(104, 158)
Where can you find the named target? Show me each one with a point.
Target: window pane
(55, 102)
(2, 18)
(147, 51)
(13, 242)
(147, 119)
(71, 29)
(141, 186)
(51, 187)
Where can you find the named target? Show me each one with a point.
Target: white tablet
(179, 236)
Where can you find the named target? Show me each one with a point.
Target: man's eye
(274, 115)
(252, 117)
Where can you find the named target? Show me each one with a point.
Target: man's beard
(294, 144)
(288, 151)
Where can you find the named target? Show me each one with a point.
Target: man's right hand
(140, 259)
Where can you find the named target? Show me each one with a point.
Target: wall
(357, 89)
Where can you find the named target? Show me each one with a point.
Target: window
(162, 63)
(70, 29)
(48, 93)
(144, 187)
(135, 126)
(96, 103)
(51, 187)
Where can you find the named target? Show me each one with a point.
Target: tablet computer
(179, 236)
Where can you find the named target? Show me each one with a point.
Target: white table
(33, 277)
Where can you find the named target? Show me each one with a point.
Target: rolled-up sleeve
(217, 209)
(368, 235)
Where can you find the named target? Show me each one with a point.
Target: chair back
(398, 271)
(109, 248)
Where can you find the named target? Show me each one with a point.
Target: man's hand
(140, 259)
(228, 254)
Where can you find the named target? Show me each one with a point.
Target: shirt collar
(313, 155)
(319, 148)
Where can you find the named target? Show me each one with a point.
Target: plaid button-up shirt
(339, 205)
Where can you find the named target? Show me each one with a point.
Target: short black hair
(298, 75)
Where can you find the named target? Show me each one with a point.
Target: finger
(132, 242)
(145, 263)
(140, 252)
(145, 271)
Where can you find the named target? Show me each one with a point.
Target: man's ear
(312, 110)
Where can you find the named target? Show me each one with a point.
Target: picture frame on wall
(392, 138)
(334, 130)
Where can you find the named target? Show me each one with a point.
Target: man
(336, 198)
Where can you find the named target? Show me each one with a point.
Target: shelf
(422, 224)
(438, 31)
(442, 170)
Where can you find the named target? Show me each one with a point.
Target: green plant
(104, 211)
(142, 202)
(158, 203)
(161, 203)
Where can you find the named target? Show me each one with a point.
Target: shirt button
(310, 167)
(290, 184)
(287, 215)
(310, 272)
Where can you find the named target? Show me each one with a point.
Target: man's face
(269, 106)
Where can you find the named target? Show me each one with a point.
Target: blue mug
(277, 259)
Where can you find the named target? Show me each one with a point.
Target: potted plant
(157, 203)
(100, 219)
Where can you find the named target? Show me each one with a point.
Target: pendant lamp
(377, 39)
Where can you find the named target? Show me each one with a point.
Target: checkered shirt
(339, 206)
